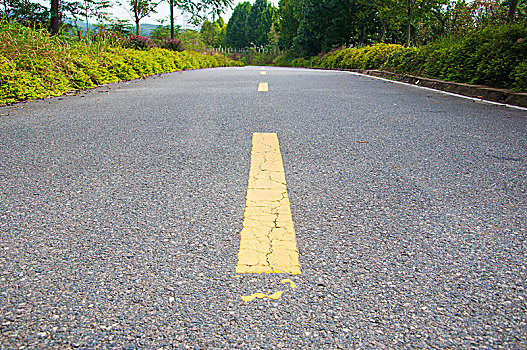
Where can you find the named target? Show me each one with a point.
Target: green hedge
(35, 65)
(495, 56)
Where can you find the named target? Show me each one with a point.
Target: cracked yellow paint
(263, 87)
(274, 296)
(268, 243)
(291, 283)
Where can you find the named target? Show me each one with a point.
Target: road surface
(121, 210)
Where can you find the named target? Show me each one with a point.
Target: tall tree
(212, 33)
(235, 31)
(415, 10)
(253, 21)
(199, 10)
(309, 36)
(141, 9)
(268, 16)
(94, 9)
(25, 12)
(290, 14)
(59, 9)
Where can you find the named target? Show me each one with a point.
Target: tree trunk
(409, 26)
(512, 11)
(361, 39)
(137, 26)
(172, 19)
(408, 35)
(383, 33)
(54, 16)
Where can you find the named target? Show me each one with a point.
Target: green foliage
(35, 65)
(493, 56)
(139, 42)
(310, 27)
(366, 57)
(121, 26)
(259, 21)
(288, 11)
(250, 25)
(25, 12)
(172, 45)
(408, 60)
(320, 26)
(199, 10)
(284, 60)
(161, 32)
(140, 9)
(87, 9)
(489, 57)
(519, 77)
(192, 40)
(235, 31)
(213, 33)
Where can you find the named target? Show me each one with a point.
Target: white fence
(227, 50)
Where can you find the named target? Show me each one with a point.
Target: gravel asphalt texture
(121, 208)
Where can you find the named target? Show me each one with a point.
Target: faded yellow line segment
(291, 283)
(274, 296)
(263, 73)
(263, 87)
(268, 243)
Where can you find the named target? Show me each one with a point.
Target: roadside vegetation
(45, 52)
(34, 64)
(477, 41)
(494, 56)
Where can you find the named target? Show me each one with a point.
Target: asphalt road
(121, 210)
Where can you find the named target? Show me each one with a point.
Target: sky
(163, 11)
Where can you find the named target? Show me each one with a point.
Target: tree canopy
(309, 27)
(250, 25)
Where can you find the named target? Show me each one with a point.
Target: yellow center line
(263, 87)
(263, 73)
(268, 242)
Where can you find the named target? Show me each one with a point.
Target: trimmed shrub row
(494, 56)
(34, 65)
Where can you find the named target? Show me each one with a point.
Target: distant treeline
(309, 27)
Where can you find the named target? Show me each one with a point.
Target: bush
(486, 57)
(366, 57)
(496, 56)
(519, 77)
(406, 60)
(139, 42)
(172, 45)
(35, 65)
(283, 61)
